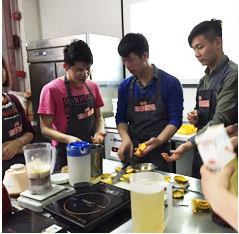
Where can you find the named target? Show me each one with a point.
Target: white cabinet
(112, 144)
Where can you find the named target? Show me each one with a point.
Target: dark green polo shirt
(227, 98)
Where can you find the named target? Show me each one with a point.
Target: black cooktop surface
(27, 221)
(92, 206)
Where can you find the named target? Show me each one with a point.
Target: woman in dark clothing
(16, 127)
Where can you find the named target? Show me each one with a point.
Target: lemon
(113, 175)
(118, 169)
(167, 178)
(126, 176)
(178, 194)
(95, 180)
(122, 179)
(180, 179)
(107, 180)
(129, 170)
(105, 176)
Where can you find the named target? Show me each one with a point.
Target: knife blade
(123, 171)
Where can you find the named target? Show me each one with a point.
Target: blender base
(37, 202)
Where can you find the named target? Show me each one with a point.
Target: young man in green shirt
(217, 92)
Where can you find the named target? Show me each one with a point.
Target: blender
(40, 161)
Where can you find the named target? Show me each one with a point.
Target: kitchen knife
(122, 172)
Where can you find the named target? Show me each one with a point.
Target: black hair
(133, 43)
(210, 29)
(77, 51)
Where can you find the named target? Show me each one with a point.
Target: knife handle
(125, 164)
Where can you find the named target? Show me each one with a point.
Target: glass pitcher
(40, 161)
(147, 202)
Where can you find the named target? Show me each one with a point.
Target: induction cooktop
(91, 206)
(27, 221)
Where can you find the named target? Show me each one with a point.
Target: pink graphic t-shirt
(54, 101)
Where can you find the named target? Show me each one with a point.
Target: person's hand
(151, 144)
(125, 148)
(98, 137)
(176, 154)
(193, 117)
(214, 182)
(10, 149)
(234, 141)
(71, 139)
(232, 130)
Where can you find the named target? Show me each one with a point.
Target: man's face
(78, 73)
(134, 63)
(206, 51)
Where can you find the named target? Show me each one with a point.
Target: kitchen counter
(113, 142)
(183, 219)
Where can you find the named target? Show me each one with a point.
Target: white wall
(189, 95)
(64, 18)
(30, 29)
(43, 19)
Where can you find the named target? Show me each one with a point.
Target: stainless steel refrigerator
(45, 58)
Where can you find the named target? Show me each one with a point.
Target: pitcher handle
(169, 201)
(53, 161)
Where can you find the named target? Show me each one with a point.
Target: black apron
(81, 124)
(8, 134)
(207, 102)
(147, 118)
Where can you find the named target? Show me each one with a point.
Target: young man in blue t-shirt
(150, 105)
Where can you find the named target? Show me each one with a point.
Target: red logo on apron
(143, 108)
(15, 130)
(88, 113)
(204, 103)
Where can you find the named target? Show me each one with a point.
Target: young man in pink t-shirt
(70, 105)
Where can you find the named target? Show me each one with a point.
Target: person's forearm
(187, 146)
(123, 131)
(53, 134)
(167, 134)
(99, 125)
(25, 139)
(225, 205)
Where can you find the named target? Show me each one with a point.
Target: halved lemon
(107, 180)
(105, 176)
(180, 179)
(118, 169)
(178, 194)
(113, 175)
(126, 176)
(167, 178)
(129, 170)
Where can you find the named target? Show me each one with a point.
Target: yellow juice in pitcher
(147, 209)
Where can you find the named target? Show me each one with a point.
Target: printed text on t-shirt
(80, 99)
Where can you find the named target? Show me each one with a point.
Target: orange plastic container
(187, 129)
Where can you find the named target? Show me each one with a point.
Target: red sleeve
(26, 124)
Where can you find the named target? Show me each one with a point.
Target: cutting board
(123, 185)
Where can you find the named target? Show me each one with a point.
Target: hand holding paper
(215, 147)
